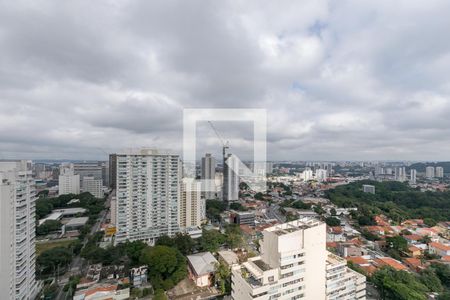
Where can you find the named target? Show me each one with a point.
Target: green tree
(398, 243)
(332, 221)
(429, 278)
(167, 266)
(211, 240)
(51, 260)
(233, 236)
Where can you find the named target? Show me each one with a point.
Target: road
(77, 262)
(273, 212)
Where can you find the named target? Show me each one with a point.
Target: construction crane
(225, 145)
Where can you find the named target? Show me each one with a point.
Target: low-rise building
(294, 264)
(201, 268)
(102, 292)
(438, 249)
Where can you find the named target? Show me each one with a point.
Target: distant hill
(420, 167)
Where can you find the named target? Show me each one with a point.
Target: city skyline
(339, 80)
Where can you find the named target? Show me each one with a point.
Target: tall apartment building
(439, 172)
(147, 195)
(294, 264)
(321, 175)
(230, 179)
(92, 185)
(88, 169)
(192, 206)
(429, 172)
(17, 231)
(413, 176)
(69, 182)
(209, 173)
(112, 170)
(400, 174)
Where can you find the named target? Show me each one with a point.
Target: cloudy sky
(340, 80)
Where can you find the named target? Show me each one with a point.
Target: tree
(259, 196)
(332, 221)
(429, 278)
(233, 236)
(159, 295)
(223, 277)
(398, 243)
(50, 260)
(399, 285)
(211, 240)
(237, 206)
(333, 211)
(48, 227)
(365, 221)
(214, 208)
(442, 272)
(167, 266)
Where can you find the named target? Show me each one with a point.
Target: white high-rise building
(429, 172)
(147, 195)
(93, 186)
(17, 231)
(230, 179)
(400, 174)
(294, 264)
(321, 175)
(307, 175)
(192, 205)
(209, 173)
(69, 182)
(439, 172)
(413, 176)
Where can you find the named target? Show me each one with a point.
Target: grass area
(44, 246)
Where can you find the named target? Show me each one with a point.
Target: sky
(339, 80)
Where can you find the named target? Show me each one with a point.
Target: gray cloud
(339, 80)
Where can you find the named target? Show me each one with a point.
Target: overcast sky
(341, 80)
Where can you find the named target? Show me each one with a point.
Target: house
(414, 264)
(412, 238)
(389, 261)
(102, 292)
(349, 249)
(439, 249)
(201, 268)
(139, 275)
(335, 234)
(228, 257)
(414, 251)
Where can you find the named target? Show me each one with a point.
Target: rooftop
(300, 224)
(202, 263)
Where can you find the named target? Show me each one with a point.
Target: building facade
(147, 195)
(93, 186)
(439, 172)
(192, 206)
(209, 173)
(413, 176)
(17, 231)
(429, 172)
(69, 182)
(294, 264)
(230, 179)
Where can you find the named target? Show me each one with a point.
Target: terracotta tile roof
(331, 244)
(414, 262)
(110, 288)
(335, 229)
(369, 269)
(439, 246)
(359, 260)
(414, 248)
(388, 261)
(446, 258)
(413, 237)
(247, 229)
